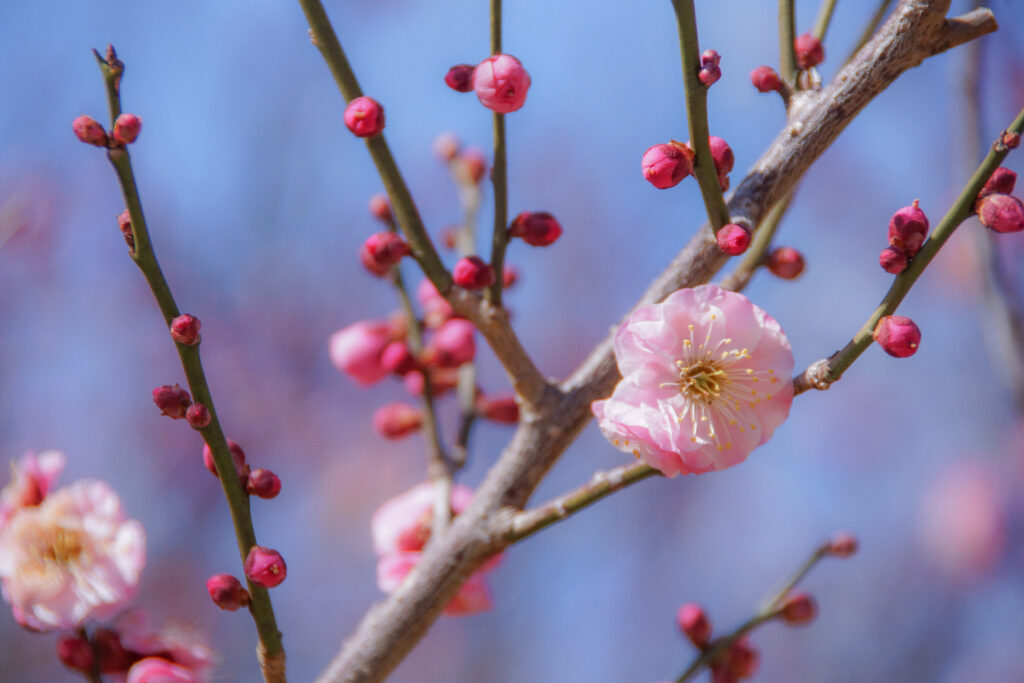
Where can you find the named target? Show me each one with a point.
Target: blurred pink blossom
(180, 644)
(31, 479)
(473, 596)
(356, 350)
(705, 381)
(72, 557)
(159, 670)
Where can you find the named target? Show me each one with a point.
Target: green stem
(238, 500)
(499, 177)
(697, 115)
(787, 33)
(961, 210)
(824, 19)
(402, 204)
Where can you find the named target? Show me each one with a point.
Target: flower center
(59, 546)
(702, 381)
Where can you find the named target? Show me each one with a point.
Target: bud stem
(787, 34)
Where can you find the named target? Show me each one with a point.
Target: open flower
(71, 557)
(706, 379)
(31, 479)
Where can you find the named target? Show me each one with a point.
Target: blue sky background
(256, 193)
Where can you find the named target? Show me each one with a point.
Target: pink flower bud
(475, 163)
(724, 159)
(237, 457)
(442, 380)
(537, 228)
(509, 275)
(172, 401)
(908, 229)
(124, 222)
(436, 308)
(501, 409)
(126, 129)
(742, 659)
(1002, 181)
(89, 131)
(765, 79)
(397, 358)
(263, 483)
(460, 77)
(265, 566)
(397, 420)
(112, 656)
(694, 623)
(898, 336)
(364, 117)
(446, 146)
(356, 350)
(452, 344)
(472, 273)
(893, 260)
(227, 592)
(75, 653)
(786, 263)
(798, 609)
(198, 415)
(1011, 139)
(710, 57)
(843, 545)
(501, 82)
(382, 250)
(185, 329)
(1001, 213)
(665, 165)
(380, 209)
(709, 74)
(809, 51)
(733, 239)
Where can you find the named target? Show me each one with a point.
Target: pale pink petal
(403, 523)
(159, 670)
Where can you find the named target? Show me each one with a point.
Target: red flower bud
(397, 359)
(538, 229)
(724, 159)
(709, 74)
(694, 623)
(798, 609)
(908, 229)
(89, 131)
(198, 415)
(265, 566)
(364, 117)
(460, 77)
(742, 660)
(381, 209)
(1001, 213)
(397, 420)
(185, 329)
(227, 592)
(509, 275)
(126, 129)
(172, 401)
(452, 344)
(893, 260)
(809, 51)
(442, 380)
(75, 653)
(733, 239)
(382, 250)
(843, 545)
(1011, 139)
(237, 456)
(263, 483)
(898, 336)
(666, 165)
(124, 222)
(786, 263)
(472, 273)
(765, 79)
(1002, 181)
(503, 409)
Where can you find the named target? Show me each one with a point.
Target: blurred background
(256, 198)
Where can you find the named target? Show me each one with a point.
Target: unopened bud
(1001, 213)
(227, 592)
(786, 263)
(908, 229)
(472, 272)
(237, 457)
(446, 146)
(537, 228)
(460, 77)
(265, 566)
(798, 609)
(89, 131)
(1002, 181)
(172, 401)
(381, 209)
(694, 623)
(452, 344)
(124, 222)
(666, 165)
(502, 409)
(397, 359)
(198, 415)
(263, 483)
(709, 74)
(382, 250)
(126, 129)
(501, 83)
(364, 117)
(475, 164)
(898, 336)
(1011, 139)
(742, 659)
(509, 275)
(397, 420)
(721, 154)
(75, 653)
(185, 329)
(442, 380)
(893, 260)
(843, 545)
(733, 239)
(765, 79)
(809, 51)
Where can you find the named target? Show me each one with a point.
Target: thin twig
(824, 19)
(787, 34)
(499, 177)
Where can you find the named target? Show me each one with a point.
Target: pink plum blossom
(356, 350)
(705, 381)
(159, 670)
(182, 645)
(31, 479)
(473, 597)
(501, 82)
(74, 556)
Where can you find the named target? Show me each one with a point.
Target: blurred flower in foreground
(705, 381)
(72, 556)
(173, 650)
(31, 479)
(401, 529)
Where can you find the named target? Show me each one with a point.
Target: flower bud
(75, 653)
(112, 656)
(460, 77)
(227, 592)
(126, 129)
(436, 308)
(198, 415)
(89, 131)
(452, 344)
(446, 146)
(786, 263)
(898, 336)
(666, 165)
(380, 209)
(893, 260)
(472, 273)
(1002, 181)
(908, 229)
(382, 250)
(475, 164)
(742, 659)
(733, 239)
(442, 380)
(1001, 213)
(172, 401)
(356, 350)
(501, 409)
(124, 222)
(265, 566)
(509, 275)
(397, 420)
(537, 228)
(1011, 139)
(237, 457)
(724, 159)
(809, 51)
(263, 483)
(798, 609)
(709, 74)
(397, 359)
(694, 623)
(501, 82)
(842, 545)
(185, 329)
(765, 79)
(364, 117)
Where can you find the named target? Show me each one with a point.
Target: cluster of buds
(710, 72)
(740, 660)
(91, 132)
(908, 229)
(259, 482)
(665, 165)
(500, 82)
(997, 209)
